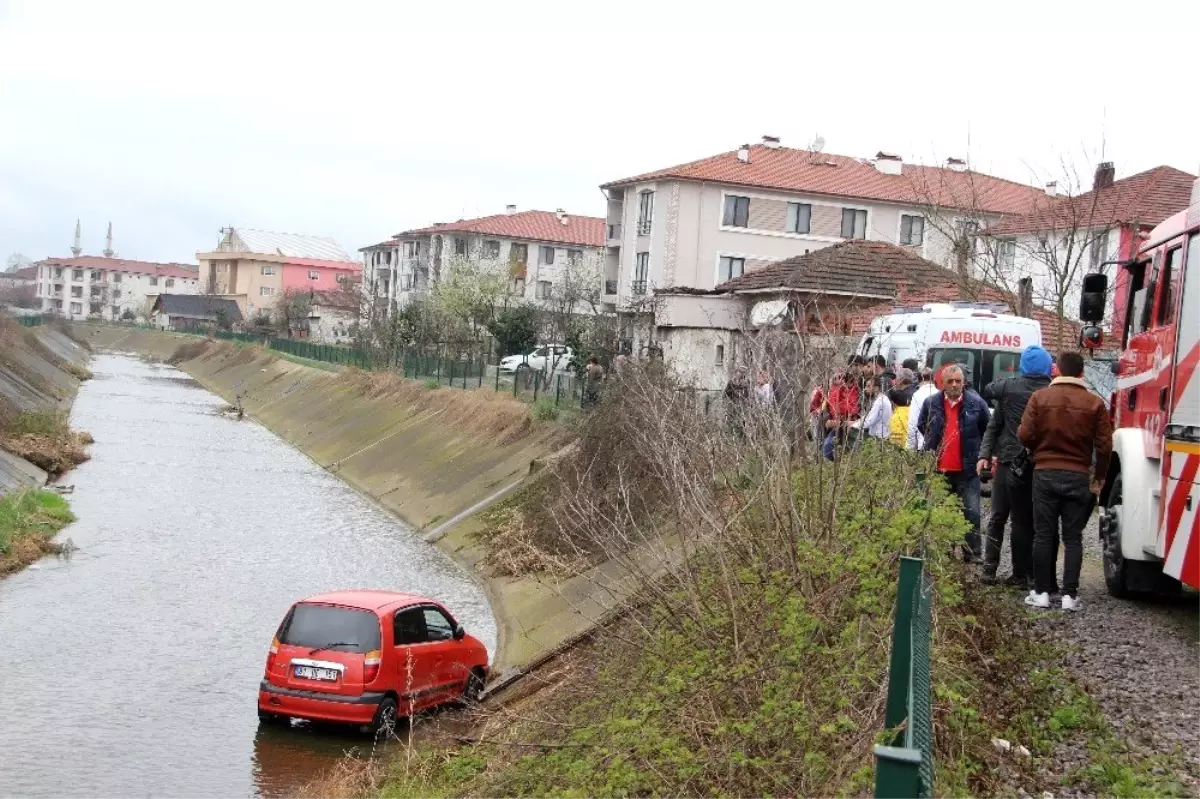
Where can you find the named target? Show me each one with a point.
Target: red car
(366, 658)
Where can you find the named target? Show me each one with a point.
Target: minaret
(77, 250)
(108, 250)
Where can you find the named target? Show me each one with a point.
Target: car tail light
(371, 663)
(271, 653)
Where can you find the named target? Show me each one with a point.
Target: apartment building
(109, 288)
(255, 268)
(699, 224)
(1073, 233)
(540, 253)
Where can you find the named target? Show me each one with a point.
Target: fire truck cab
(1148, 504)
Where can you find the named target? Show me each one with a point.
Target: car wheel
(1110, 539)
(472, 689)
(273, 719)
(384, 723)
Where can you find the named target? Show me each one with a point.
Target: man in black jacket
(1012, 483)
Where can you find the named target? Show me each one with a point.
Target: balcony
(614, 235)
(638, 287)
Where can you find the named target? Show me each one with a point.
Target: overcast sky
(358, 120)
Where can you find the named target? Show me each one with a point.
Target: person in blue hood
(1012, 484)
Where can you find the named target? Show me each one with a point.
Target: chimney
(743, 153)
(889, 163)
(561, 216)
(956, 164)
(510, 209)
(1052, 188)
(771, 142)
(1105, 173)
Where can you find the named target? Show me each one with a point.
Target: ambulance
(983, 338)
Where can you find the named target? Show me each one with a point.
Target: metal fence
(328, 353)
(480, 370)
(905, 767)
(33, 320)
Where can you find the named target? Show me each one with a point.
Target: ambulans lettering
(1012, 340)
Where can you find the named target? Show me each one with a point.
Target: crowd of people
(1046, 444)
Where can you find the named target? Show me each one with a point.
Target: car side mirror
(1091, 337)
(459, 632)
(1093, 297)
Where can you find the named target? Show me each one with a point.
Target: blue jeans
(966, 487)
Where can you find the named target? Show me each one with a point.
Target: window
(912, 230)
(799, 218)
(153, 281)
(437, 626)
(116, 277)
(76, 291)
(720, 359)
(412, 249)
(97, 274)
(1099, 253)
(77, 274)
(645, 212)
(58, 271)
(460, 246)
(1006, 255)
(854, 223)
(116, 294)
(76, 307)
(517, 287)
(574, 256)
(545, 255)
(268, 269)
(266, 291)
(730, 268)
(116, 311)
(641, 271)
(314, 275)
(1166, 301)
(405, 283)
(491, 249)
(170, 282)
(95, 307)
(737, 211)
(543, 289)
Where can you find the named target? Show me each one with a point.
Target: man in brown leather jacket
(1067, 430)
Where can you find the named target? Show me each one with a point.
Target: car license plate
(315, 673)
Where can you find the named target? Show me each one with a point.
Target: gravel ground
(1140, 659)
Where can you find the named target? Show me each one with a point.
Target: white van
(984, 338)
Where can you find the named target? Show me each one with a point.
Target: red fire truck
(1149, 505)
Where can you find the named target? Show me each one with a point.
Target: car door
(414, 663)
(537, 359)
(449, 669)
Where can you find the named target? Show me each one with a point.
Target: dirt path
(1139, 659)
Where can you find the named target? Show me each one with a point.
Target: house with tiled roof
(1071, 233)
(533, 249)
(833, 293)
(255, 268)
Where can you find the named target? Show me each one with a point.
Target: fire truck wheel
(1115, 578)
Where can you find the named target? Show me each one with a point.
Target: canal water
(132, 667)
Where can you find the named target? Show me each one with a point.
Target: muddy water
(131, 668)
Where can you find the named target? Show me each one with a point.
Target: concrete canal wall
(40, 370)
(432, 457)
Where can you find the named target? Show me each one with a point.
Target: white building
(106, 288)
(535, 250)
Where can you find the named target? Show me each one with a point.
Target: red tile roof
(122, 265)
(390, 244)
(860, 270)
(1145, 199)
(586, 231)
(24, 273)
(802, 171)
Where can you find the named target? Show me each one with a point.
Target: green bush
(433, 384)
(544, 410)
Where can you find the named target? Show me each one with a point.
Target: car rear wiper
(331, 646)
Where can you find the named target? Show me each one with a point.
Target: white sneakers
(1041, 601)
(1036, 600)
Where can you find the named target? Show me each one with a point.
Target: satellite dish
(818, 144)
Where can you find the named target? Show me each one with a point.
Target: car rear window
(329, 627)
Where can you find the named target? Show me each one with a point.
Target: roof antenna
(108, 250)
(77, 250)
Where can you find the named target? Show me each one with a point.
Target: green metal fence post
(439, 369)
(557, 389)
(897, 772)
(516, 378)
(536, 382)
(900, 667)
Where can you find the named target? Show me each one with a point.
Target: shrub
(544, 410)
(433, 384)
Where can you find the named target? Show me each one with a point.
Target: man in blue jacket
(953, 422)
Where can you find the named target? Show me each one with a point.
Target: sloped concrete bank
(40, 370)
(432, 457)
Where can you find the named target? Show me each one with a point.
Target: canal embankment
(433, 457)
(40, 372)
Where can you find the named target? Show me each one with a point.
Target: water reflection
(196, 532)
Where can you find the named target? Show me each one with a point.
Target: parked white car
(548, 357)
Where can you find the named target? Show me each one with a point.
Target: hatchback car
(548, 358)
(366, 658)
